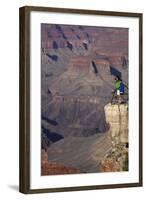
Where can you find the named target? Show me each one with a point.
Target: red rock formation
(52, 168)
(110, 165)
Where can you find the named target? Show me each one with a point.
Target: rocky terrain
(117, 158)
(78, 65)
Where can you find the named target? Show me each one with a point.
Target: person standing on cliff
(117, 85)
(119, 88)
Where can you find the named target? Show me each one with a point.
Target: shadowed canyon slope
(77, 68)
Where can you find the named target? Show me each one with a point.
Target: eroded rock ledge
(117, 159)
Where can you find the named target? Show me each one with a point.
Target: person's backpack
(122, 87)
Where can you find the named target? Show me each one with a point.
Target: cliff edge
(117, 117)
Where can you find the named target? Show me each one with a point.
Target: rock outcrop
(117, 159)
(117, 117)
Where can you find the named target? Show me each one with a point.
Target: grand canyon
(81, 131)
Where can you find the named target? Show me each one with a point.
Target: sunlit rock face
(117, 117)
(117, 158)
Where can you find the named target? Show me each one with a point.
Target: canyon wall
(78, 65)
